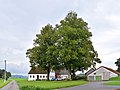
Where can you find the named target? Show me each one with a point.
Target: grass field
(2, 83)
(46, 85)
(114, 81)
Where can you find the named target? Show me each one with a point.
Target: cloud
(21, 68)
(21, 20)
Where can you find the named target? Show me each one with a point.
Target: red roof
(114, 71)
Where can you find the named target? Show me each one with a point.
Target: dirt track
(11, 86)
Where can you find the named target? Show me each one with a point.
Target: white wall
(41, 76)
(113, 74)
(34, 76)
(52, 75)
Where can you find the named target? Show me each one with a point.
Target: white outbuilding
(102, 73)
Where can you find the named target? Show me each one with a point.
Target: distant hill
(19, 76)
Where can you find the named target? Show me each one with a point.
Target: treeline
(2, 73)
(67, 45)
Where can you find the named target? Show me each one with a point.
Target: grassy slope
(114, 81)
(2, 83)
(48, 84)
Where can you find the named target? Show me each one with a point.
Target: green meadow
(2, 83)
(114, 81)
(24, 84)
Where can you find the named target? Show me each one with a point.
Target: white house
(102, 73)
(40, 74)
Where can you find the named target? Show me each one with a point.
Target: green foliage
(118, 64)
(43, 52)
(2, 72)
(67, 45)
(76, 51)
(81, 77)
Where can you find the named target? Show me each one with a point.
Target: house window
(94, 73)
(43, 76)
(30, 76)
(33, 76)
(40, 76)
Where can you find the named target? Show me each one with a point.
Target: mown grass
(24, 84)
(115, 78)
(115, 81)
(2, 83)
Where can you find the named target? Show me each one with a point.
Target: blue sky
(21, 20)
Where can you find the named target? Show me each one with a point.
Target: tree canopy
(118, 64)
(67, 45)
(43, 52)
(2, 71)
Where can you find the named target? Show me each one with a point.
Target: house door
(98, 78)
(37, 77)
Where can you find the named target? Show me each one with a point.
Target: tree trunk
(73, 74)
(48, 73)
(69, 74)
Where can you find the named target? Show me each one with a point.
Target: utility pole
(5, 73)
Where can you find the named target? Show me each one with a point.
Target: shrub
(33, 88)
(81, 78)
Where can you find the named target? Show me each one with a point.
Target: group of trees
(2, 72)
(67, 45)
(118, 64)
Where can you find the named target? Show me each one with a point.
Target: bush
(81, 78)
(33, 88)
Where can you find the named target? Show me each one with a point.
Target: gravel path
(93, 86)
(11, 86)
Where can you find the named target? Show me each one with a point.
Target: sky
(21, 20)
